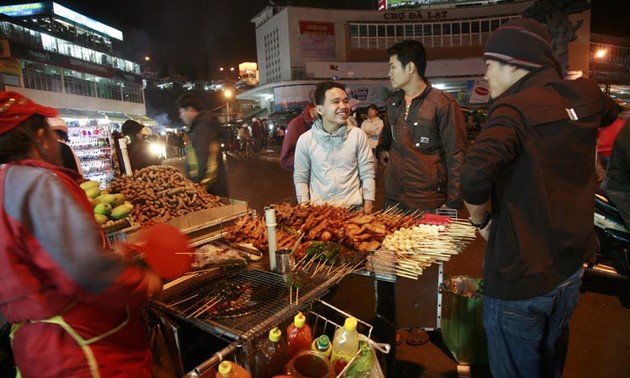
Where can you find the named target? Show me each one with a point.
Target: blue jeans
(529, 338)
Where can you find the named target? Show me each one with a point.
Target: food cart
(386, 246)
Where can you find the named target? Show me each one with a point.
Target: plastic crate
(119, 237)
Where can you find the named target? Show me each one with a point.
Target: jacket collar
(318, 129)
(399, 96)
(535, 78)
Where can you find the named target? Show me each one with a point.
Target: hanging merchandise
(270, 355)
(91, 144)
(345, 344)
(229, 369)
(299, 335)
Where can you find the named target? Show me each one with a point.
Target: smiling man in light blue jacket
(333, 160)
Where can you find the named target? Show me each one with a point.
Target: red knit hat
(522, 42)
(15, 109)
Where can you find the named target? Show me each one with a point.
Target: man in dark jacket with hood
(204, 160)
(529, 182)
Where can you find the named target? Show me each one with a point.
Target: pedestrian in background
(372, 126)
(204, 160)
(72, 302)
(138, 149)
(333, 160)
(423, 143)
(297, 126)
(68, 157)
(605, 140)
(257, 134)
(529, 183)
(617, 182)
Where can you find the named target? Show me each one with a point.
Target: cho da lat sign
(415, 15)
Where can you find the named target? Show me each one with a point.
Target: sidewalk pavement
(271, 153)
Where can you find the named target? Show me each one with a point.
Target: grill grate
(267, 305)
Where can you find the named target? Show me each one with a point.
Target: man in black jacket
(423, 142)
(204, 161)
(529, 182)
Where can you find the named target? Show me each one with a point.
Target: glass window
(354, 30)
(372, 30)
(49, 43)
(485, 26)
(41, 76)
(475, 26)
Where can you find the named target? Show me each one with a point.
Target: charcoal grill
(268, 306)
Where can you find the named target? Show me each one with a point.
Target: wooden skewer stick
(185, 300)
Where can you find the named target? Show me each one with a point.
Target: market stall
(238, 291)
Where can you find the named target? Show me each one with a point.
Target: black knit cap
(522, 42)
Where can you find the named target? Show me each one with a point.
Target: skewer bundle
(408, 251)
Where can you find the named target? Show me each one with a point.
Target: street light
(598, 57)
(225, 71)
(227, 93)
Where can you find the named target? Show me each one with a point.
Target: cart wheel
(463, 371)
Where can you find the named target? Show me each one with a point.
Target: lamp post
(598, 57)
(225, 72)
(227, 93)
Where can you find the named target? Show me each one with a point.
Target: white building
(63, 59)
(298, 47)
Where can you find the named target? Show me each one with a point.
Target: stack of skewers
(408, 251)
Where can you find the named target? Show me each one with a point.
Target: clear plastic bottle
(271, 355)
(299, 335)
(322, 345)
(229, 369)
(345, 344)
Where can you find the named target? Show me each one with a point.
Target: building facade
(65, 60)
(298, 47)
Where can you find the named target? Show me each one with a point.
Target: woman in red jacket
(71, 300)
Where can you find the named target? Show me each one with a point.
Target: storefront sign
(366, 94)
(19, 51)
(415, 15)
(10, 66)
(21, 10)
(479, 91)
(292, 97)
(317, 40)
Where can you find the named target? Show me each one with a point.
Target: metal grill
(267, 306)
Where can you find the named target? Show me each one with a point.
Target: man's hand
(383, 157)
(154, 282)
(485, 232)
(368, 206)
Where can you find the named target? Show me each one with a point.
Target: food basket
(323, 319)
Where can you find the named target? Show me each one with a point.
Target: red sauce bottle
(299, 336)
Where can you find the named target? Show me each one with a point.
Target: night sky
(196, 37)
